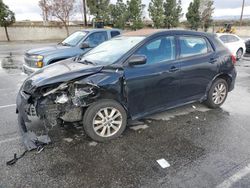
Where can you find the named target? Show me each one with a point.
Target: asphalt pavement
(204, 148)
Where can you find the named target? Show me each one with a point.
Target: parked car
(130, 77)
(247, 46)
(76, 44)
(234, 43)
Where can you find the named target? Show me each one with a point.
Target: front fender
(110, 85)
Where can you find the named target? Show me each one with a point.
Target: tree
(206, 11)
(100, 9)
(193, 14)
(119, 14)
(60, 9)
(135, 9)
(7, 18)
(156, 12)
(172, 12)
(43, 4)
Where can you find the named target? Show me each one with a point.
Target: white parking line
(9, 140)
(234, 178)
(7, 106)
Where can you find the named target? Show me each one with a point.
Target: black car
(130, 77)
(247, 46)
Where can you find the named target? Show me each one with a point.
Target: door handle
(173, 69)
(213, 60)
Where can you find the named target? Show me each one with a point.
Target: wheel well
(55, 60)
(113, 96)
(227, 78)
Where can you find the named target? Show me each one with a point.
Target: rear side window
(114, 33)
(224, 38)
(191, 46)
(228, 38)
(97, 38)
(232, 38)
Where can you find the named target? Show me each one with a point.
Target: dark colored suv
(130, 77)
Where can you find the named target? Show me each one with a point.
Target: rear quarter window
(224, 38)
(228, 38)
(114, 33)
(232, 38)
(192, 46)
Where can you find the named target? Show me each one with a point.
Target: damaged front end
(58, 103)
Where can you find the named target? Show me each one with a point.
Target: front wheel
(217, 93)
(104, 120)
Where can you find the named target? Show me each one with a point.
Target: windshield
(112, 50)
(74, 39)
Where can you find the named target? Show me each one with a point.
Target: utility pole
(85, 13)
(242, 10)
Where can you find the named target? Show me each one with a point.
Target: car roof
(100, 29)
(223, 34)
(149, 32)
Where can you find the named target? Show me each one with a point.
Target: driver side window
(96, 38)
(159, 50)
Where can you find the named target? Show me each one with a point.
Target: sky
(29, 9)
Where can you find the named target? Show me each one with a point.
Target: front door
(155, 84)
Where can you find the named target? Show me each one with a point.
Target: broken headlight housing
(78, 94)
(81, 92)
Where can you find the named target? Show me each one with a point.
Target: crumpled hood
(59, 72)
(49, 50)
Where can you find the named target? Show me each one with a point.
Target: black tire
(239, 54)
(210, 101)
(91, 114)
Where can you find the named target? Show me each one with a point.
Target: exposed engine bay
(65, 102)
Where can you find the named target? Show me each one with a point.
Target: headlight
(36, 57)
(39, 64)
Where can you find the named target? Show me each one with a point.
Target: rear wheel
(217, 93)
(239, 54)
(104, 120)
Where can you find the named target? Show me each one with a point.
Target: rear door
(156, 83)
(198, 66)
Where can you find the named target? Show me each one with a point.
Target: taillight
(233, 59)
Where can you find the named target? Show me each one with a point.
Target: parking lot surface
(204, 148)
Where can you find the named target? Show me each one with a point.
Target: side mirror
(137, 60)
(84, 45)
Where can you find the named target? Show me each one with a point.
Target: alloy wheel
(107, 121)
(219, 94)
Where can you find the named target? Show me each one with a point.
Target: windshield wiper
(87, 62)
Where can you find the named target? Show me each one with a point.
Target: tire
(104, 120)
(221, 86)
(239, 54)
